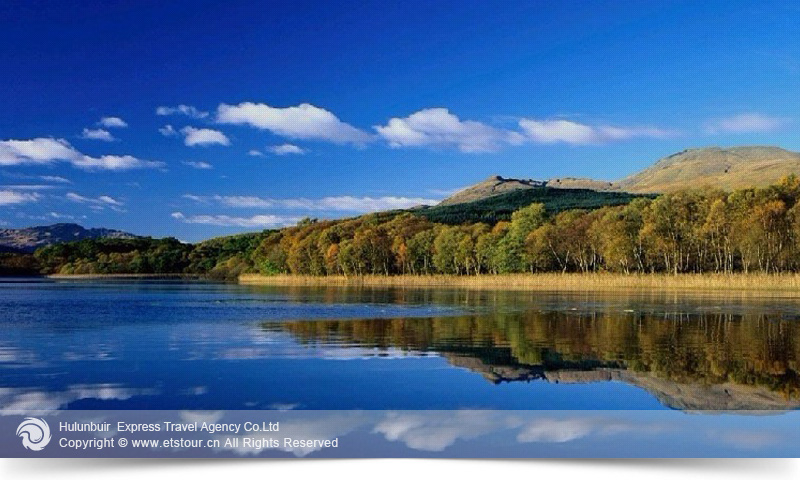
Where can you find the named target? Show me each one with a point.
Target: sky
(198, 119)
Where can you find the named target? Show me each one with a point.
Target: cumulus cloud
(42, 151)
(36, 151)
(744, 123)
(437, 127)
(187, 110)
(112, 122)
(11, 197)
(304, 121)
(199, 165)
(168, 131)
(204, 136)
(566, 131)
(97, 134)
(338, 203)
(255, 153)
(256, 221)
(286, 149)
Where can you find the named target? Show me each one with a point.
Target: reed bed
(788, 284)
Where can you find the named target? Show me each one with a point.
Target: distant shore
(784, 284)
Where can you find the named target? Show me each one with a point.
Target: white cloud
(54, 179)
(10, 197)
(566, 131)
(114, 162)
(42, 151)
(286, 149)
(304, 121)
(255, 153)
(204, 136)
(437, 127)
(745, 123)
(35, 151)
(196, 198)
(99, 203)
(256, 221)
(199, 165)
(97, 134)
(344, 203)
(112, 122)
(187, 110)
(28, 187)
(168, 131)
(370, 204)
(109, 200)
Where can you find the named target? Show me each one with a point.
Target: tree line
(690, 231)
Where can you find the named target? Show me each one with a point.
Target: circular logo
(35, 433)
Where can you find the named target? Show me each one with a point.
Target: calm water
(170, 345)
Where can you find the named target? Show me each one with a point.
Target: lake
(168, 345)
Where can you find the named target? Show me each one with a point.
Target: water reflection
(204, 346)
(698, 360)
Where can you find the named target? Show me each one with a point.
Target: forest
(690, 231)
(500, 207)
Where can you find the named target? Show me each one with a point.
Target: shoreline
(568, 282)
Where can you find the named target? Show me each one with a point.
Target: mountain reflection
(695, 361)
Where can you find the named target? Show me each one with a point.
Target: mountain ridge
(728, 168)
(26, 240)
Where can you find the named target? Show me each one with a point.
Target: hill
(492, 186)
(500, 207)
(26, 240)
(726, 168)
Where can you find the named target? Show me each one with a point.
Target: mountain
(29, 239)
(726, 168)
(492, 186)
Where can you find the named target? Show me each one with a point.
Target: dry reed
(779, 283)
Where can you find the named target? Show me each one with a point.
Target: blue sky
(199, 119)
